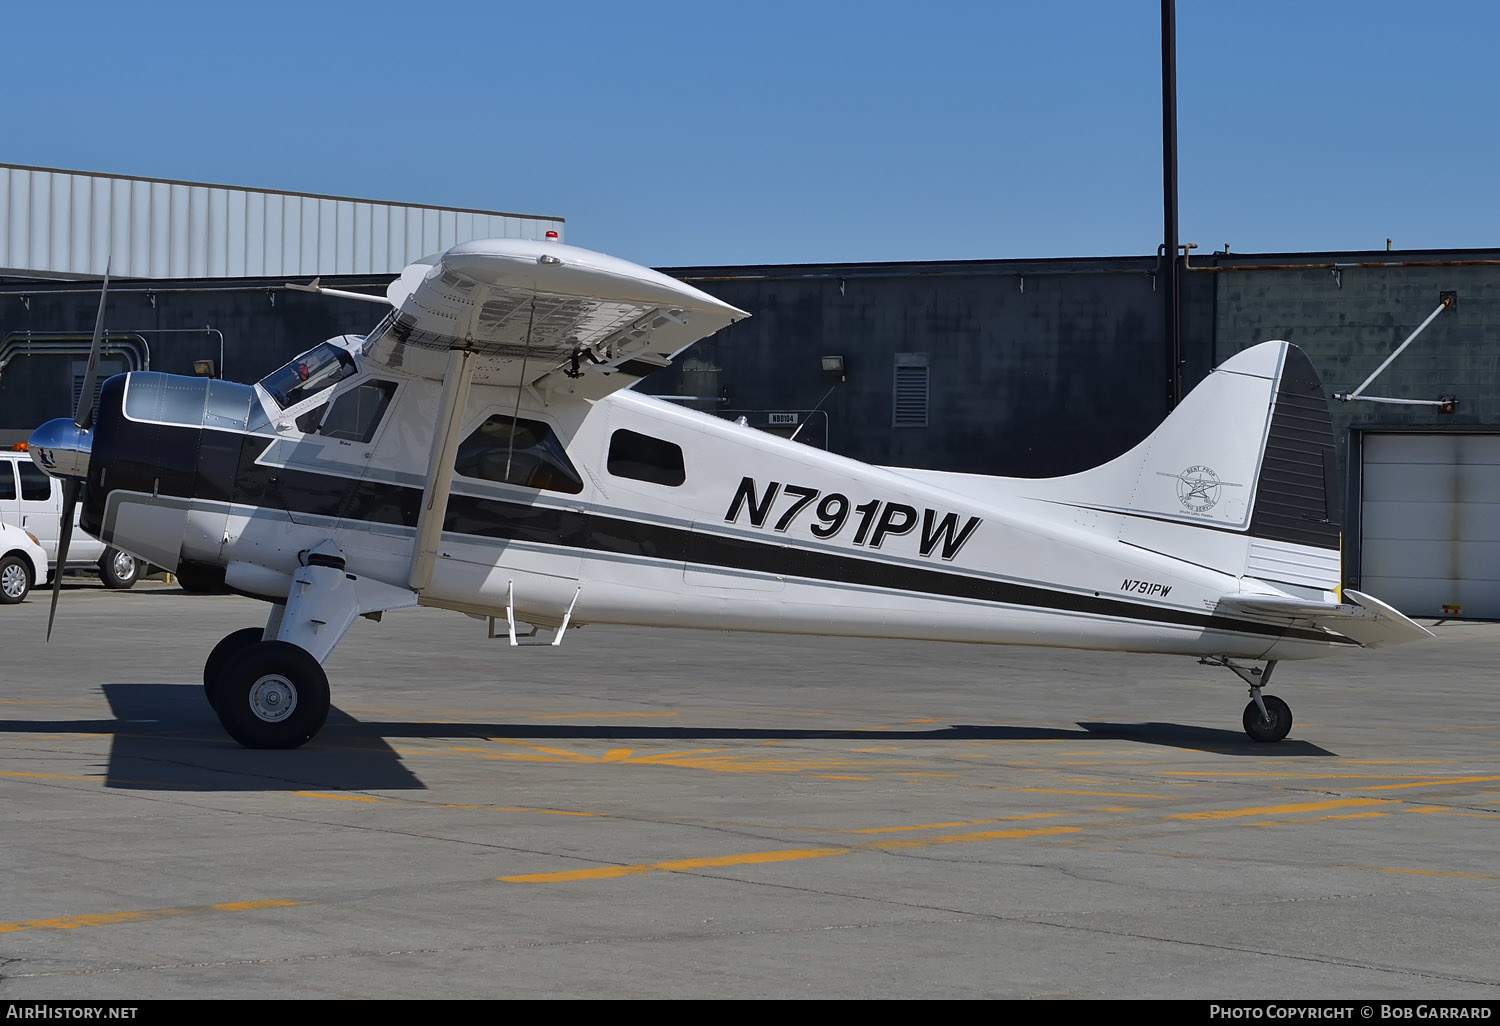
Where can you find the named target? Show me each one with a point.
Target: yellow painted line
(1297, 776)
(597, 716)
(251, 906)
(983, 835)
(1434, 782)
(618, 754)
(49, 776)
(1097, 794)
(1427, 872)
(100, 919)
(517, 808)
(668, 757)
(927, 774)
(675, 866)
(1271, 810)
(556, 753)
(830, 776)
(1444, 810)
(338, 797)
(958, 823)
(1318, 819)
(144, 915)
(1396, 762)
(787, 855)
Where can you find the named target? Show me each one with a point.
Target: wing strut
(445, 438)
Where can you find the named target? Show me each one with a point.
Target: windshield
(308, 374)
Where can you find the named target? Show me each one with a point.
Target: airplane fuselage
(627, 510)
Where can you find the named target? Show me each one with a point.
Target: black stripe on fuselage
(352, 499)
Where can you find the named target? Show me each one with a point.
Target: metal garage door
(1430, 523)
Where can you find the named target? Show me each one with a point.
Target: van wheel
(15, 579)
(118, 569)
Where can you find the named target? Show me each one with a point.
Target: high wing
(537, 315)
(1366, 619)
(541, 315)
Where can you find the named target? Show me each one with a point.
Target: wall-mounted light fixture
(833, 367)
(204, 368)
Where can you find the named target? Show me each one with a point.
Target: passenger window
(356, 414)
(36, 486)
(7, 480)
(643, 458)
(520, 452)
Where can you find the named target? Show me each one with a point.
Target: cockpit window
(354, 416)
(308, 374)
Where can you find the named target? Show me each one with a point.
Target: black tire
(15, 579)
(200, 580)
(223, 653)
(1274, 729)
(272, 695)
(118, 570)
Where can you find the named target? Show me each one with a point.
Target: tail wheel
(1262, 728)
(221, 656)
(118, 569)
(272, 694)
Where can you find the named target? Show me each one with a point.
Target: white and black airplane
(481, 450)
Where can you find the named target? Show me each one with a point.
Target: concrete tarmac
(659, 814)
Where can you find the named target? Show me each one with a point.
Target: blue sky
(715, 133)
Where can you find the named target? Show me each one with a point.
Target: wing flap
(541, 315)
(1367, 620)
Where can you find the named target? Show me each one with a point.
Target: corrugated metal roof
(69, 222)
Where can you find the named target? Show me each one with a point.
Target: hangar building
(1017, 367)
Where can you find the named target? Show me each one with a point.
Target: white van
(31, 500)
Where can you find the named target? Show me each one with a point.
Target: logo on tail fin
(1199, 488)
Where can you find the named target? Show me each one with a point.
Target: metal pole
(1171, 301)
(1357, 393)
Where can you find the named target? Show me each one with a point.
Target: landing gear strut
(267, 684)
(1266, 718)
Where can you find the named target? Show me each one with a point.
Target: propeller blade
(85, 415)
(71, 487)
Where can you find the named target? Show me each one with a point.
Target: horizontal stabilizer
(1366, 620)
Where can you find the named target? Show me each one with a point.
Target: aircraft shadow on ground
(1172, 735)
(167, 738)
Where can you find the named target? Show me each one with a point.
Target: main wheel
(15, 579)
(1274, 729)
(272, 695)
(118, 569)
(223, 653)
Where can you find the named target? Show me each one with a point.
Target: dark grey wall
(1036, 367)
(1032, 369)
(1350, 321)
(259, 335)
